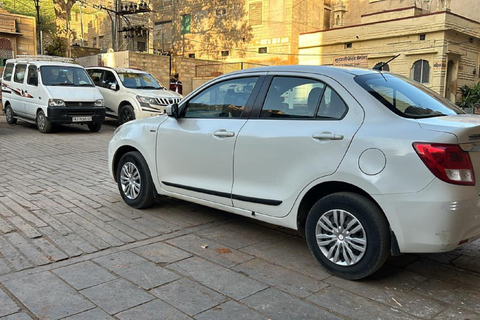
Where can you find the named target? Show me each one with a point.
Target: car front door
(303, 129)
(195, 151)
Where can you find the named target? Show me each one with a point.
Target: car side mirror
(114, 86)
(172, 110)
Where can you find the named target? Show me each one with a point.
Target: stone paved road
(70, 248)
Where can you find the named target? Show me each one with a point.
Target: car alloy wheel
(9, 115)
(130, 180)
(341, 237)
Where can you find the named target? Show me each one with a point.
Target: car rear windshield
(406, 97)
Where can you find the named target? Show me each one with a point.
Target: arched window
(385, 67)
(421, 71)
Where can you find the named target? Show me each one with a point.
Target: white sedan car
(363, 163)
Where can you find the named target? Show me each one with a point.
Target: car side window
(109, 80)
(332, 106)
(7, 72)
(96, 75)
(292, 97)
(19, 74)
(222, 100)
(32, 76)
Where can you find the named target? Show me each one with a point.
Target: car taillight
(447, 162)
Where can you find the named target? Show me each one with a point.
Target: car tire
(126, 114)
(95, 127)
(43, 125)
(10, 115)
(345, 254)
(134, 180)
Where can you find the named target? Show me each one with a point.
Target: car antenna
(383, 64)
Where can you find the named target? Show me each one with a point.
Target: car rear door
(195, 151)
(302, 131)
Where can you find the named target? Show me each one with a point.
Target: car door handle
(223, 133)
(327, 136)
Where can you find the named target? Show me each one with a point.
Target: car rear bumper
(439, 218)
(63, 115)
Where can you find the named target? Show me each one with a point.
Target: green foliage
(27, 8)
(57, 47)
(471, 96)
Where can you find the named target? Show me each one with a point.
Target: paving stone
(21, 225)
(4, 268)
(160, 252)
(17, 316)
(69, 248)
(280, 278)
(468, 262)
(47, 297)
(354, 306)
(281, 306)
(457, 314)
(147, 275)
(188, 296)
(289, 253)
(7, 305)
(30, 251)
(116, 296)
(452, 294)
(5, 226)
(53, 254)
(120, 260)
(94, 314)
(153, 310)
(228, 282)
(137, 235)
(212, 252)
(230, 310)
(241, 234)
(22, 212)
(393, 287)
(442, 272)
(12, 255)
(86, 235)
(83, 275)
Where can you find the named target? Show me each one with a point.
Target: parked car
(47, 91)
(363, 163)
(131, 94)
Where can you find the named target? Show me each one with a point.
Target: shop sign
(351, 60)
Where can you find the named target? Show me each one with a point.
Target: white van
(48, 91)
(130, 93)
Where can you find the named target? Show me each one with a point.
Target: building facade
(433, 42)
(17, 36)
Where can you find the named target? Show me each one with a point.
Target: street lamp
(39, 32)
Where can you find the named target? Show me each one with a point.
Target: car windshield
(65, 76)
(139, 81)
(406, 97)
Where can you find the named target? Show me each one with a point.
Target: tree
(62, 12)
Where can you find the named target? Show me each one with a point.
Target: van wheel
(10, 115)
(126, 114)
(43, 124)
(95, 127)
(348, 234)
(134, 180)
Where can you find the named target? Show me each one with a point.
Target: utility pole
(81, 22)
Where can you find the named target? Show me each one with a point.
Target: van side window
(20, 73)
(32, 77)
(7, 72)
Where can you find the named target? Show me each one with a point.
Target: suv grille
(167, 101)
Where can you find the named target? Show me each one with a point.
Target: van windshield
(406, 97)
(65, 76)
(139, 81)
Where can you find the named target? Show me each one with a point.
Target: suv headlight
(146, 100)
(56, 103)
(99, 103)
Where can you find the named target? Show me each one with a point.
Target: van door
(32, 101)
(18, 90)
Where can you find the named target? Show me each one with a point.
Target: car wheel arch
(118, 155)
(321, 190)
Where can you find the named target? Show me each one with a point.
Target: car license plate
(81, 119)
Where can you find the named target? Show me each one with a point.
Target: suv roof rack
(44, 58)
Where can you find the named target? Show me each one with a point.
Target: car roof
(118, 70)
(44, 63)
(327, 70)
